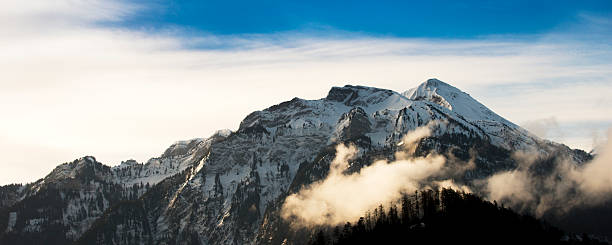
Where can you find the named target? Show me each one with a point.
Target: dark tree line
(445, 217)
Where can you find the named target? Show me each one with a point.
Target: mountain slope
(228, 189)
(62, 206)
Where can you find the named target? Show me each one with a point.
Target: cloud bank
(544, 183)
(347, 196)
(554, 188)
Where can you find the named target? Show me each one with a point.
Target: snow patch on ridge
(455, 100)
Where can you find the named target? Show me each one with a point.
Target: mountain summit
(455, 100)
(228, 188)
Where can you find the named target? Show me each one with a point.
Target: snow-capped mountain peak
(74, 169)
(358, 95)
(453, 99)
(226, 189)
(181, 147)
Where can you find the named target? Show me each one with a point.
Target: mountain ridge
(227, 188)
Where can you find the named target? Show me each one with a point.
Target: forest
(446, 217)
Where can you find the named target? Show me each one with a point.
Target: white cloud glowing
(342, 197)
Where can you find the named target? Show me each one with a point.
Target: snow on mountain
(460, 104)
(175, 159)
(431, 100)
(455, 100)
(79, 192)
(226, 188)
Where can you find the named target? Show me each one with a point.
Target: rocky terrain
(228, 188)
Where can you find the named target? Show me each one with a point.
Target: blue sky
(123, 79)
(430, 19)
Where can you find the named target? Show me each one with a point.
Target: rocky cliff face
(228, 189)
(59, 208)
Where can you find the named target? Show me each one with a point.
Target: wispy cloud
(347, 196)
(554, 189)
(73, 83)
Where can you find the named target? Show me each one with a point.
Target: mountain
(63, 205)
(228, 188)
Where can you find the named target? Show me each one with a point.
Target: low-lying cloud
(347, 196)
(544, 182)
(556, 187)
(595, 178)
(544, 128)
